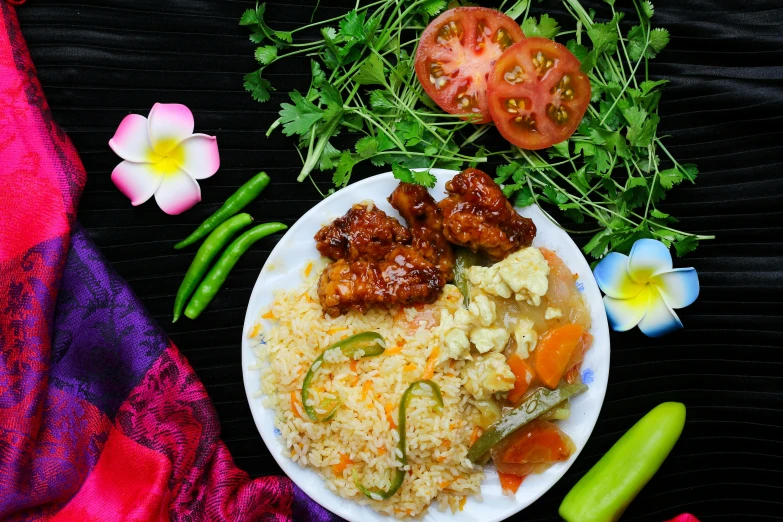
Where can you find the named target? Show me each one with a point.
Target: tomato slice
(532, 449)
(456, 54)
(537, 94)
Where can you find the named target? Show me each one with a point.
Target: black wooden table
(99, 60)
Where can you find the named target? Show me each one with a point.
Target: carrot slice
(294, 402)
(524, 376)
(429, 369)
(510, 482)
(554, 351)
(338, 468)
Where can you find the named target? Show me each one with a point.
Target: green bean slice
(399, 473)
(540, 402)
(371, 343)
(464, 259)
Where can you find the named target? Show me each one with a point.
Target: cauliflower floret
(488, 374)
(526, 337)
(456, 344)
(453, 337)
(489, 339)
(483, 309)
(525, 272)
(488, 279)
(553, 312)
(462, 319)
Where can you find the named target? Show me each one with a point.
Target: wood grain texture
(99, 60)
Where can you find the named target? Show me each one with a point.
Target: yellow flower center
(167, 163)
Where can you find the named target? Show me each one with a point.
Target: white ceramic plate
(283, 270)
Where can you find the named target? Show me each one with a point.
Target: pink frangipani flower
(163, 158)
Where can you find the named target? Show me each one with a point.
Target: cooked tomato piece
(456, 54)
(532, 449)
(537, 94)
(510, 483)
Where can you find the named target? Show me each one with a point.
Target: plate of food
(425, 353)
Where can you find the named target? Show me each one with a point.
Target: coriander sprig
(363, 82)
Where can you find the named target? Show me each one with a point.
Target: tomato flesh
(532, 449)
(537, 94)
(456, 54)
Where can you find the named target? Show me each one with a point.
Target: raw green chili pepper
(399, 473)
(464, 259)
(211, 284)
(236, 202)
(536, 405)
(208, 250)
(371, 343)
(604, 492)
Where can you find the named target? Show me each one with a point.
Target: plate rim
(248, 359)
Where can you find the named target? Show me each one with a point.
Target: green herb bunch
(363, 83)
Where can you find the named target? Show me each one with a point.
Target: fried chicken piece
(425, 221)
(477, 215)
(403, 277)
(362, 233)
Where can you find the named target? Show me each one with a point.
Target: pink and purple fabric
(101, 418)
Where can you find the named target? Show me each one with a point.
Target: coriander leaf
(249, 17)
(561, 148)
(257, 86)
(635, 193)
(609, 113)
(648, 9)
(648, 85)
(689, 172)
(401, 173)
(380, 101)
(636, 44)
(604, 37)
(641, 128)
(670, 177)
(597, 246)
(587, 149)
(300, 117)
(285, 36)
(318, 76)
(352, 25)
(573, 211)
(504, 172)
(659, 38)
(524, 198)
(432, 7)
(516, 10)
(366, 147)
(612, 141)
(545, 28)
(686, 245)
(509, 189)
(330, 95)
(371, 72)
(581, 178)
(265, 55)
(329, 154)
(342, 174)
(586, 59)
(424, 178)
(610, 2)
(384, 142)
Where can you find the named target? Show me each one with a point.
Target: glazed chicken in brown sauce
(425, 221)
(477, 215)
(378, 262)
